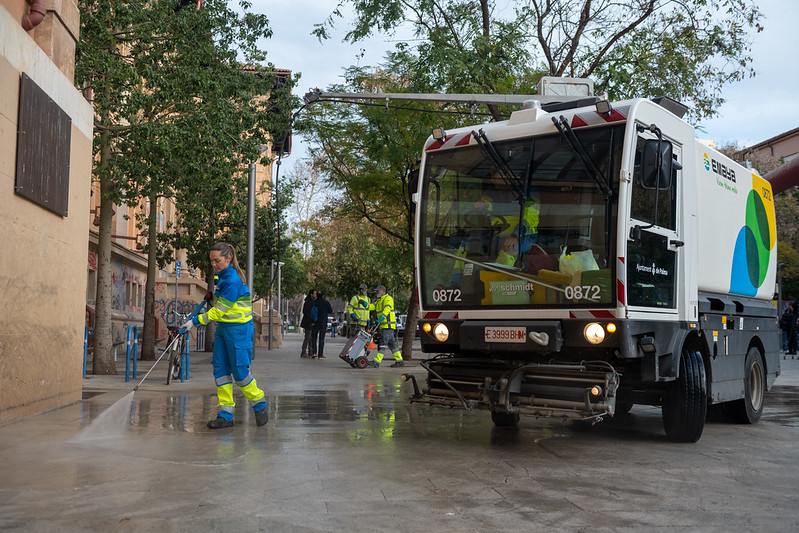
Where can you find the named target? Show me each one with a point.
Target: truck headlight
(441, 332)
(594, 333)
(427, 327)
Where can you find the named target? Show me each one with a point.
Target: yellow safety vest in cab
(232, 300)
(384, 306)
(359, 306)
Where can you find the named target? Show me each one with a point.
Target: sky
(755, 109)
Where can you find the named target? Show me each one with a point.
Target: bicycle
(176, 348)
(177, 343)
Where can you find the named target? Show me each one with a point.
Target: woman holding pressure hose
(233, 344)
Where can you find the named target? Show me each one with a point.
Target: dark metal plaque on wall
(43, 143)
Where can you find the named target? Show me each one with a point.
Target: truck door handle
(676, 243)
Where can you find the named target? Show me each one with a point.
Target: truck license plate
(517, 334)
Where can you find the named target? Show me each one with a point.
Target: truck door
(654, 244)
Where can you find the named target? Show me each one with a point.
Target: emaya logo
(707, 162)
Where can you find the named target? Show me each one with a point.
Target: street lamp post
(251, 228)
(269, 330)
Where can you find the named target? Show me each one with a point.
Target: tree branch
(598, 59)
(585, 17)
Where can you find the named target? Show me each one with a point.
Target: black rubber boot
(262, 417)
(220, 423)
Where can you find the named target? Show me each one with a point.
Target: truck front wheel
(685, 401)
(748, 409)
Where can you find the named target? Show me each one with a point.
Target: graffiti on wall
(165, 309)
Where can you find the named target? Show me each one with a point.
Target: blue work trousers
(233, 350)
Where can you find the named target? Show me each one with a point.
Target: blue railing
(131, 351)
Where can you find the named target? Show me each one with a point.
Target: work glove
(353, 317)
(185, 328)
(381, 319)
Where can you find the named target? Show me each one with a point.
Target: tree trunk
(411, 321)
(209, 329)
(103, 362)
(150, 320)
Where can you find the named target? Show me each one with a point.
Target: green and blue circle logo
(756, 240)
(707, 162)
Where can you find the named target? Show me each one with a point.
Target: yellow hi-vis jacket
(384, 307)
(232, 300)
(359, 306)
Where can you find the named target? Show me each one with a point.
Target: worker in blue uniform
(233, 343)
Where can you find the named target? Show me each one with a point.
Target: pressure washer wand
(168, 347)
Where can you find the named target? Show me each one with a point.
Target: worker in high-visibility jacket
(524, 227)
(358, 309)
(232, 311)
(387, 322)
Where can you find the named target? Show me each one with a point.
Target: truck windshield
(535, 231)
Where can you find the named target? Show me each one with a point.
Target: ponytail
(227, 250)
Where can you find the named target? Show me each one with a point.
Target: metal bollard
(135, 350)
(85, 347)
(127, 353)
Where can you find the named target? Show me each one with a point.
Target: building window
(43, 143)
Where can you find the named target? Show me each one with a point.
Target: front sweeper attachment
(584, 391)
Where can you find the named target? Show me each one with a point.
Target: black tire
(748, 409)
(685, 401)
(174, 361)
(505, 420)
(361, 362)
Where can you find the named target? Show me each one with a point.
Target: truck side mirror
(656, 171)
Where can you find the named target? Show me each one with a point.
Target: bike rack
(131, 349)
(185, 372)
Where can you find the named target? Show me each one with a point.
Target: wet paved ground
(343, 451)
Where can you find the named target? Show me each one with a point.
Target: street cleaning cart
(357, 348)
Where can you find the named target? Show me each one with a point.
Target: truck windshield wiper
(503, 168)
(568, 134)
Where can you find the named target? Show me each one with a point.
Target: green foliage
(788, 259)
(178, 116)
(686, 50)
(348, 252)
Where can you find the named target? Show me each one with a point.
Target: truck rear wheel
(748, 409)
(505, 420)
(685, 401)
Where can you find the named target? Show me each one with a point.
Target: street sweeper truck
(584, 256)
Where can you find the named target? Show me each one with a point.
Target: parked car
(401, 321)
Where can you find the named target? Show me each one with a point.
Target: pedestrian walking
(387, 323)
(324, 310)
(233, 342)
(309, 312)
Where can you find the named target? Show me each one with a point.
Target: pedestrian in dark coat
(791, 323)
(320, 327)
(309, 314)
